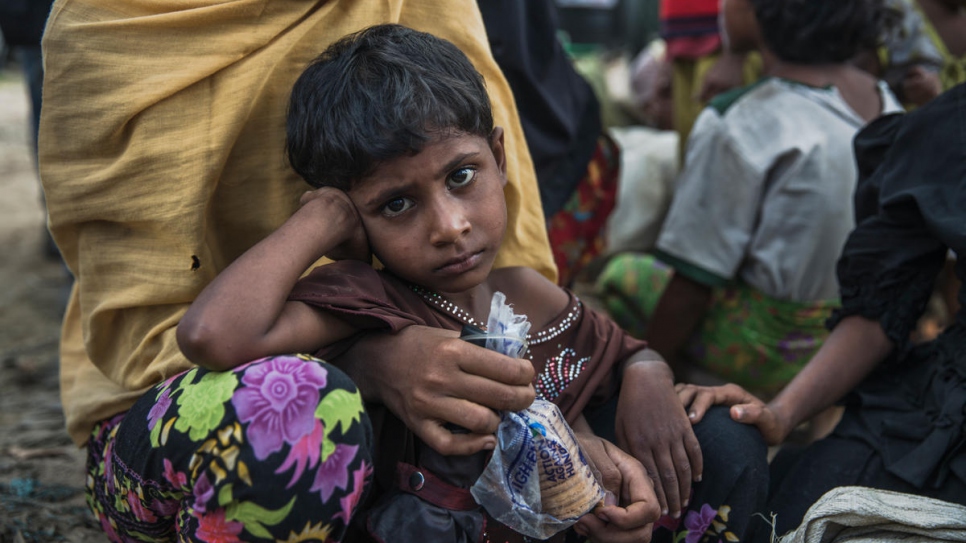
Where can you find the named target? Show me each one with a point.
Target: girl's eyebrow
(455, 162)
(384, 195)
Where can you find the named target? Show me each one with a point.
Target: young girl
(395, 128)
(743, 274)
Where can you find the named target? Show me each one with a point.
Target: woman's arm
(652, 426)
(244, 314)
(853, 349)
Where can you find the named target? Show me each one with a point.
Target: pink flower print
(166, 508)
(167, 382)
(159, 409)
(108, 529)
(279, 402)
(304, 453)
(203, 492)
(334, 472)
(137, 508)
(109, 468)
(213, 528)
(697, 523)
(176, 478)
(350, 501)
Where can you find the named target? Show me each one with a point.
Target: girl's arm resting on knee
(244, 314)
(652, 426)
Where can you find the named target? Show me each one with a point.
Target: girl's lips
(460, 264)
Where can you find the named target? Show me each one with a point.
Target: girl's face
(437, 218)
(739, 28)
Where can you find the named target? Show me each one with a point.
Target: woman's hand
(341, 213)
(652, 425)
(428, 377)
(630, 506)
(745, 408)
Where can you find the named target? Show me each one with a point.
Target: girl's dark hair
(822, 31)
(376, 95)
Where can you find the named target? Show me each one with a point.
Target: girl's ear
(499, 153)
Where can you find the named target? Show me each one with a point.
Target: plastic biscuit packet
(538, 480)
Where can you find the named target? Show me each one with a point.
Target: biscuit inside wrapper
(538, 480)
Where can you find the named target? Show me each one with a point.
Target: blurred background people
(743, 274)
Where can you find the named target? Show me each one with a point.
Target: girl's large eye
(396, 206)
(462, 177)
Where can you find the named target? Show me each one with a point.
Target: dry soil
(41, 471)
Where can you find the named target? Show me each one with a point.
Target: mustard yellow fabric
(161, 155)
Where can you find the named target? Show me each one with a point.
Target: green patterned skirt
(746, 337)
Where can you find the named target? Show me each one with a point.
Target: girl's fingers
(669, 481)
(685, 475)
(650, 467)
(695, 456)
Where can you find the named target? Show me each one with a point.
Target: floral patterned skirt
(274, 450)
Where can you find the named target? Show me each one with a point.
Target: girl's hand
(340, 210)
(630, 507)
(652, 425)
(745, 408)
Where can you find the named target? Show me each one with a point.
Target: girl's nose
(450, 222)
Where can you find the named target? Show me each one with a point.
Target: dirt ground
(41, 471)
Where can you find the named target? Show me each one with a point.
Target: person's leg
(276, 448)
(803, 475)
(724, 505)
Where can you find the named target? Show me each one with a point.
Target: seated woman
(905, 404)
(744, 265)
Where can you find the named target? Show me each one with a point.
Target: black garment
(558, 109)
(22, 21)
(903, 428)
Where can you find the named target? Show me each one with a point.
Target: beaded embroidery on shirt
(558, 373)
(441, 303)
(447, 306)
